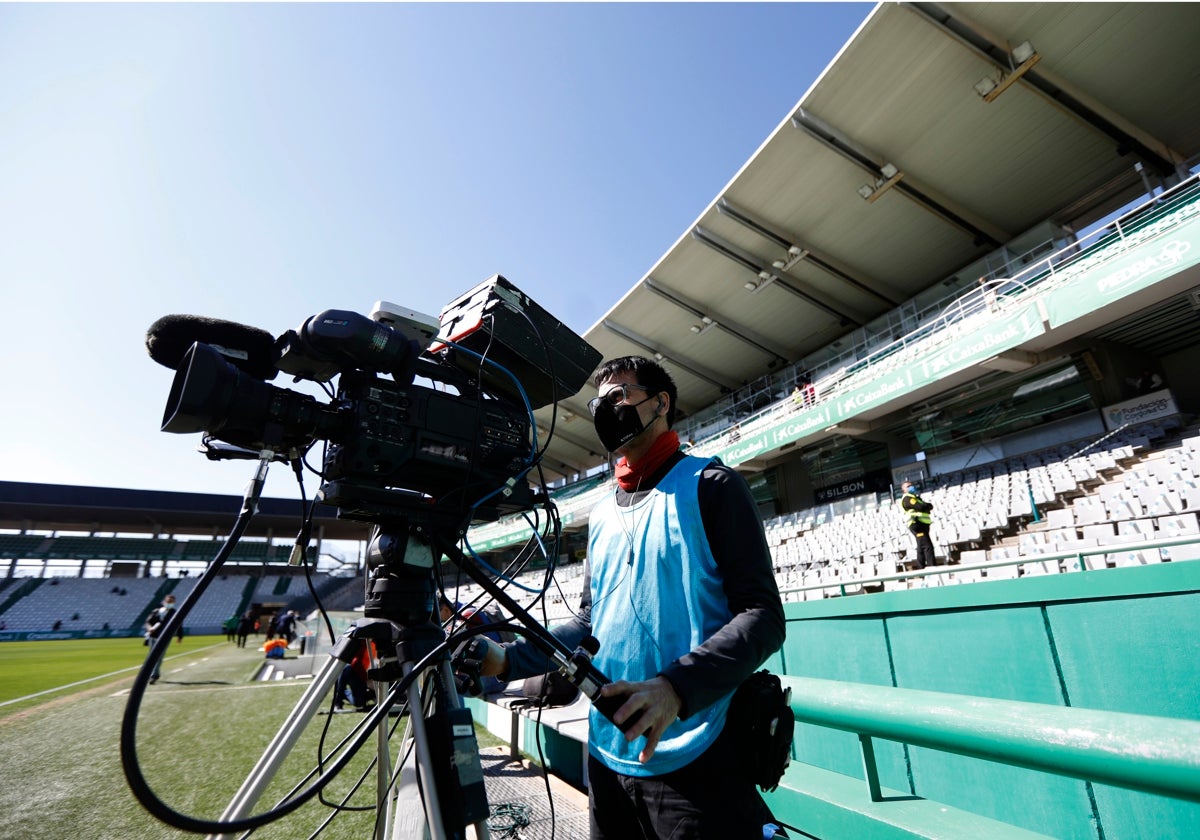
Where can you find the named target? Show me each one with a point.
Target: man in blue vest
(917, 511)
(680, 593)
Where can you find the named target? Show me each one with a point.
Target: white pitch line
(85, 682)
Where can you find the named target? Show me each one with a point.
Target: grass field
(200, 730)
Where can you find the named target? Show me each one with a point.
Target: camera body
(439, 432)
(451, 448)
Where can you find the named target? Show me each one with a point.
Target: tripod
(398, 621)
(398, 624)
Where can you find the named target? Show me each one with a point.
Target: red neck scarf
(630, 476)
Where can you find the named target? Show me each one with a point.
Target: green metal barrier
(1140, 752)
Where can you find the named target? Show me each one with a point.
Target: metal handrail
(834, 374)
(1140, 752)
(1175, 196)
(1076, 554)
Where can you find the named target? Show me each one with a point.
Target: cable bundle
(507, 820)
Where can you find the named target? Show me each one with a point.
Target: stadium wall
(1122, 640)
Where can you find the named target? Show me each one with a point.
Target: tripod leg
(404, 824)
(383, 762)
(406, 817)
(466, 782)
(277, 751)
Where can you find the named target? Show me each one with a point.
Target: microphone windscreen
(590, 644)
(249, 348)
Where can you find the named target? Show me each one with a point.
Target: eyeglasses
(614, 396)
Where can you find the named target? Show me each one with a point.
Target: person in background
(804, 394)
(285, 626)
(155, 623)
(353, 683)
(679, 592)
(917, 511)
(1147, 382)
(988, 291)
(245, 627)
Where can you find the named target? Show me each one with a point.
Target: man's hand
(654, 700)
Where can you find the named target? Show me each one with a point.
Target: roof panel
(903, 92)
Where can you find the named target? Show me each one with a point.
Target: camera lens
(211, 395)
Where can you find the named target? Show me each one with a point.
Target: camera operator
(678, 554)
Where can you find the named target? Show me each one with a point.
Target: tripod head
(400, 594)
(400, 568)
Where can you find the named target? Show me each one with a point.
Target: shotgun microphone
(250, 349)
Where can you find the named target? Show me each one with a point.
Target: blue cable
(517, 382)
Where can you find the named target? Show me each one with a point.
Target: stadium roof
(940, 133)
(57, 507)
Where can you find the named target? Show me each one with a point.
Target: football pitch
(200, 730)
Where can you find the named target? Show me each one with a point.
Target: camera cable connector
(254, 489)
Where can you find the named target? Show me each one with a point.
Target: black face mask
(617, 425)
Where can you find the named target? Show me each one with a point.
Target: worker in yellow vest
(917, 510)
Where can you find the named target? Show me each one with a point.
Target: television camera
(415, 426)
(430, 427)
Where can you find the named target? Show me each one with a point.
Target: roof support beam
(694, 368)
(741, 333)
(835, 140)
(592, 446)
(752, 264)
(563, 471)
(1164, 160)
(747, 220)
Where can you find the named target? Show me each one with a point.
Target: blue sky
(261, 163)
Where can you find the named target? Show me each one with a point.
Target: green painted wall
(1119, 639)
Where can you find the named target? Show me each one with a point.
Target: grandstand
(949, 321)
(968, 257)
(72, 607)
(1139, 486)
(950, 315)
(75, 568)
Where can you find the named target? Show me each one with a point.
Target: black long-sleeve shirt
(739, 547)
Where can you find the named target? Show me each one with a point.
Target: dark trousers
(709, 799)
(924, 547)
(350, 681)
(157, 672)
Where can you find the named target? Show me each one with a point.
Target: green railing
(1139, 752)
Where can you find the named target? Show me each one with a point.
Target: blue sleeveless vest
(656, 595)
